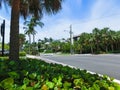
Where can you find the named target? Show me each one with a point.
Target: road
(102, 64)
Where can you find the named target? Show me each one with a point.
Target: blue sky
(83, 15)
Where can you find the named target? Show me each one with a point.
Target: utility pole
(3, 36)
(71, 40)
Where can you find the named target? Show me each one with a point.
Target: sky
(83, 15)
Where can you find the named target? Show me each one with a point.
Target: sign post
(3, 36)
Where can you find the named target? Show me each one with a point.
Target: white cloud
(56, 30)
(102, 8)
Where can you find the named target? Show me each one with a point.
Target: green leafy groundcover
(31, 74)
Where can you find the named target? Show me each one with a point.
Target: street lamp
(71, 40)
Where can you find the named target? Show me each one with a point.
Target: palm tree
(25, 8)
(14, 30)
(28, 32)
(91, 42)
(112, 39)
(21, 40)
(117, 40)
(96, 35)
(105, 38)
(46, 40)
(31, 25)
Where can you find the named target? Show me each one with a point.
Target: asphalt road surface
(102, 64)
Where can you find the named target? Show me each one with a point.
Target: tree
(35, 8)
(91, 42)
(112, 39)
(96, 35)
(55, 46)
(14, 30)
(105, 38)
(28, 32)
(31, 25)
(21, 40)
(83, 42)
(117, 44)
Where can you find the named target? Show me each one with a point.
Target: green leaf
(84, 88)
(33, 75)
(14, 75)
(111, 88)
(7, 83)
(96, 87)
(67, 84)
(117, 86)
(12, 62)
(26, 81)
(23, 87)
(50, 84)
(37, 85)
(29, 88)
(59, 84)
(24, 72)
(54, 80)
(78, 82)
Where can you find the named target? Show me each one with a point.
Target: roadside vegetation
(35, 74)
(100, 41)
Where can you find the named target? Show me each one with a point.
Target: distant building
(77, 37)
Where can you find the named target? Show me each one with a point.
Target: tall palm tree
(21, 40)
(112, 39)
(105, 37)
(31, 25)
(118, 40)
(91, 42)
(25, 8)
(96, 35)
(14, 30)
(28, 32)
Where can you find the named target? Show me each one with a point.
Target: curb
(52, 61)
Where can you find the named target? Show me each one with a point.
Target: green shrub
(116, 51)
(32, 74)
(22, 53)
(48, 51)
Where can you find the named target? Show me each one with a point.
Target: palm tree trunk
(33, 38)
(112, 47)
(20, 45)
(106, 49)
(91, 49)
(14, 31)
(29, 43)
(97, 46)
(81, 51)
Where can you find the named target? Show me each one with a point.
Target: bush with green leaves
(32, 74)
(22, 53)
